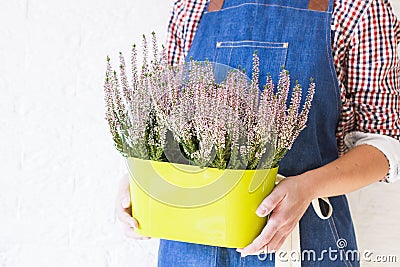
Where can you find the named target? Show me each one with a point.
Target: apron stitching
(335, 237)
(245, 4)
(333, 73)
(215, 52)
(242, 259)
(230, 56)
(342, 249)
(252, 41)
(333, 234)
(283, 57)
(334, 226)
(255, 46)
(215, 257)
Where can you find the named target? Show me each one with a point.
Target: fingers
(123, 205)
(129, 232)
(124, 210)
(281, 235)
(278, 245)
(126, 202)
(123, 197)
(124, 192)
(276, 242)
(286, 203)
(273, 225)
(261, 240)
(259, 245)
(125, 217)
(273, 235)
(129, 224)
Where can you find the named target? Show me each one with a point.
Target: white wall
(59, 170)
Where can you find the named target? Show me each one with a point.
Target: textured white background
(59, 170)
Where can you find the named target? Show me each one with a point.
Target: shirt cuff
(389, 146)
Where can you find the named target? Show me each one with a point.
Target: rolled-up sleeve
(373, 83)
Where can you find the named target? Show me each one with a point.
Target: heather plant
(133, 123)
(182, 114)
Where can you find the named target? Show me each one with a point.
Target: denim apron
(284, 33)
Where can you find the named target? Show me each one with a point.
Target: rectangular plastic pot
(198, 205)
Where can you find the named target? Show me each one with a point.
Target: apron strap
(215, 5)
(318, 5)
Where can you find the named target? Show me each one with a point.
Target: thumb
(124, 192)
(270, 203)
(126, 201)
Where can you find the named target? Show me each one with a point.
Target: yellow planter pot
(198, 205)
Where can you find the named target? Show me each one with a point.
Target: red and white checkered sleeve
(185, 17)
(373, 77)
(373, 81)
(175, 33)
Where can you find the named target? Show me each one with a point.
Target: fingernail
(133, 224)
(126, 202)
(259, 213)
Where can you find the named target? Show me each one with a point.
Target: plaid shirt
(365, 38)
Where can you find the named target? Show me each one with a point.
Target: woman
(353, 132)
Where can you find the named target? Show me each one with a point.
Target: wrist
(306, 186)
(311, 184)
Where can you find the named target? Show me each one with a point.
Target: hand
(124, 210)
(289, 200)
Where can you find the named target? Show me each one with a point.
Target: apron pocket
(240, 54)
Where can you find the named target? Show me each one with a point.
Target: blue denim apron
(285, 33)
